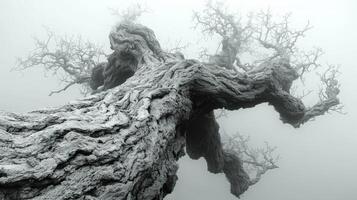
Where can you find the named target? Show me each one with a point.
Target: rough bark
(124, 143)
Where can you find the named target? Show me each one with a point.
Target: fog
(317, 161)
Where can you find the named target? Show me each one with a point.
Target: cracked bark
(124, 143)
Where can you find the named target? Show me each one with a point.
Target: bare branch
(330, 83)
(130, 14)
(69, 57)
(277, 36)
(300, 96)
(328, 95)
(304, 62)
(256, 161)
(176, 47)
(79, 81)
(215, 19)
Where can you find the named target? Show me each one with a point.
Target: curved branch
(79, 81)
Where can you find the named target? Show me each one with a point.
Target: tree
(124, 143)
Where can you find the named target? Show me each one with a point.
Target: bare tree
(124, 142)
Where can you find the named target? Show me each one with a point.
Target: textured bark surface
(124, 143)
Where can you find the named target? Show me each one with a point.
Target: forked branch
(70, 58)
(256, 161)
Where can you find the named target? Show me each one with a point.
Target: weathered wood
(124, 143)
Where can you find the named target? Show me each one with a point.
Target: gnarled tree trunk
(124, 143)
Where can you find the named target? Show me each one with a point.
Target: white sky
(318, 161)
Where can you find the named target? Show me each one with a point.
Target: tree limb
(256, 161)
(68, 57)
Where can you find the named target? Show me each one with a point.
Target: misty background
(317, 161)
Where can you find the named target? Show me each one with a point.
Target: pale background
(318, 161)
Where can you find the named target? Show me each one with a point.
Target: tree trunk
(124, 143)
